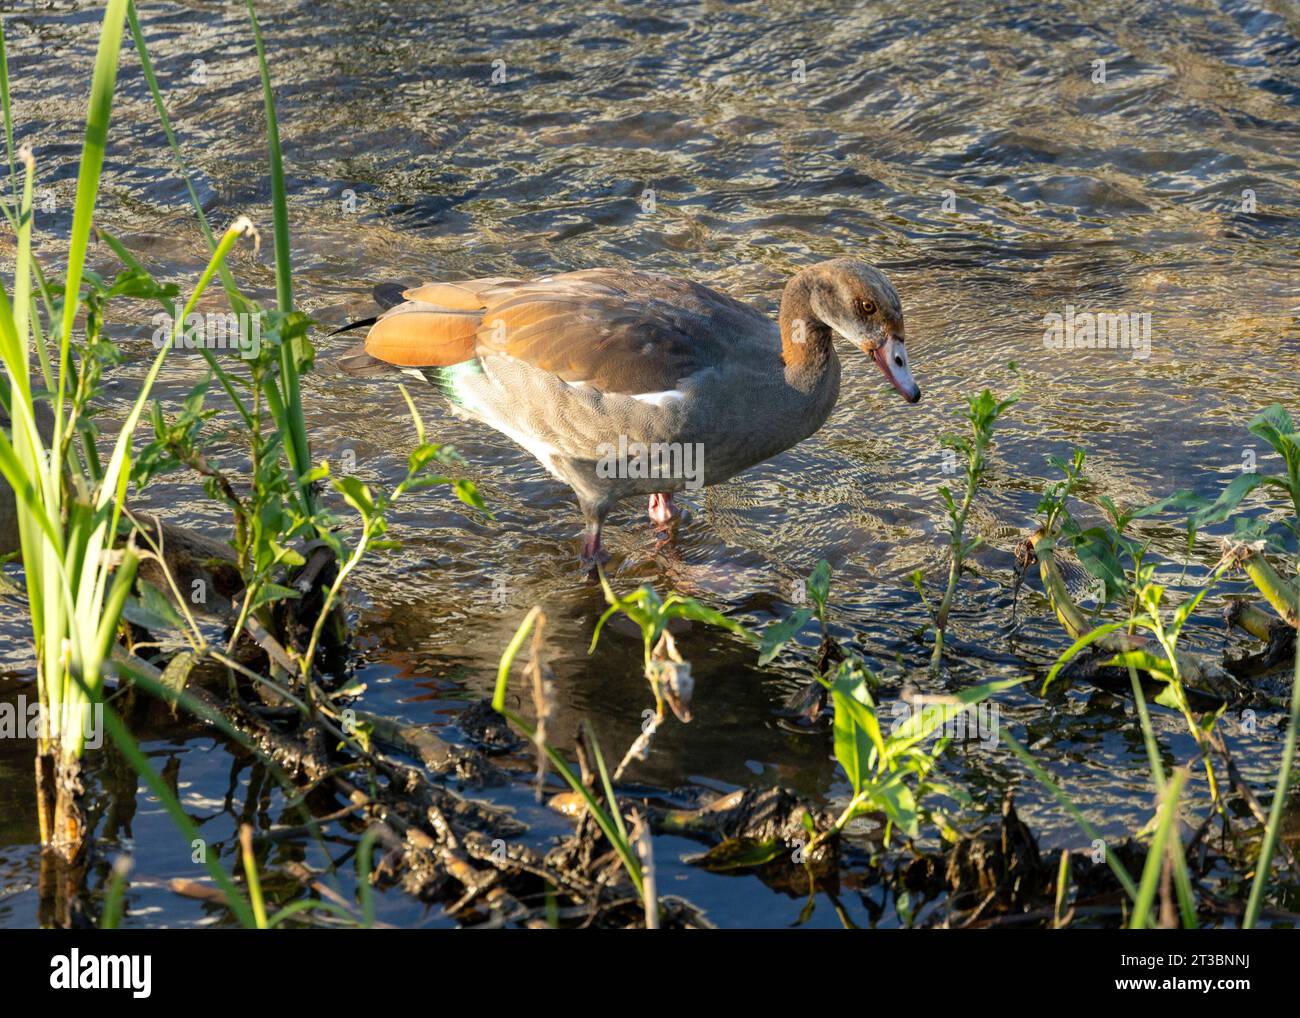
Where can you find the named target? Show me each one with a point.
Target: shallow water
(406, 162)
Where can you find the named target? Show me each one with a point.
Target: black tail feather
(355, 360)
(364, 323)
(387, 295)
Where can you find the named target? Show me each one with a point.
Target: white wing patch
(660, 398)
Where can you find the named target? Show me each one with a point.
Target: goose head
(858, 303)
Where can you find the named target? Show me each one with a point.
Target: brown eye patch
(867, 307)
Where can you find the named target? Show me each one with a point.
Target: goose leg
(662, 511)
(591, 552)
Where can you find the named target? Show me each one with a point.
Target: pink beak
(892, 361)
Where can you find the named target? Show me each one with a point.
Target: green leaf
(468, 493)
(778, 634)
(152, 610)
(1086, 640)
(898, 803)
(819, 585)
(317, 473)
(1166, 828)
(1273, 425)
(269, 592)
(177, 673)
(738, 854)
(689, 608)
(421, 456)
(290, 557)
(357, 495)
(1229, 499)
(1144, 661)
(855, 730)
(1098, 555)
(922, 724)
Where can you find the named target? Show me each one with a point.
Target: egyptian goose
(634, 383)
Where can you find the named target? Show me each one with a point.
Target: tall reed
(69, 509)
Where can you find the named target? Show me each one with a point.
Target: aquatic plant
(1158, 655)
(982, 413)
(668, 674)
(282, 505)
(891, 772)
(779, 633)
(262, 560)
(610, 821)
(1252, 540)
(280, 387)
(80, 552)
(280, 519)
(79, 548)
(1147, 639)
(1103, 550)
(69, 506)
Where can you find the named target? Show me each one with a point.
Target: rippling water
(965, 148)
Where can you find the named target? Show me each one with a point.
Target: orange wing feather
(461, 295)
(419, 338)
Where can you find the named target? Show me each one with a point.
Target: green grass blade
(251, 879)
(612, 830)
(308, 905)
(365, 865)
(111, 917)
(602, 818)
(151, 79)
(223, 270)
(8, 110)
(98, 113)
(279, 201)
(296, 444)
(121, 449)
(295, 799)
(615, 812)
(1156, 854)
(1183, 886)
(508, 658)
(295, 432)
(127, 745)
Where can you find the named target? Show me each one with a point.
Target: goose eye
(866, 307)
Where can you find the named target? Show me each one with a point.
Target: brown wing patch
(619, 331)
(615, 349)
(586, 327)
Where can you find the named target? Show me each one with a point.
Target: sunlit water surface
(407, 162)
